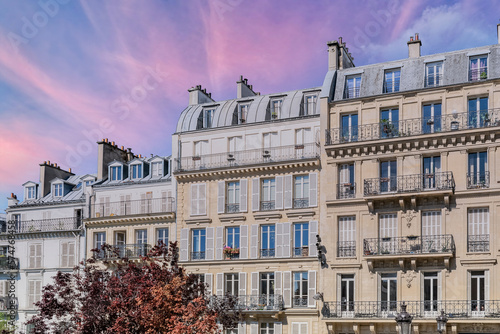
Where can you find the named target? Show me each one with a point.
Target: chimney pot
(411, 38)
(48, 162)
(12, 195)
(122, 148)
(498, 32)
(414, 46)
(416, 36)
(69, 170)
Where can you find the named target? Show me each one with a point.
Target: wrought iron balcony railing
(123, 251)
(267, 205)
(433, 80)
(267, 252)
(248, 157)
(346, 190)
(299, 301)
(301, 251)
(299, 203)
(196, 256)
(409, 183)
(391, 86)
(48, 225)
(478, 180)
(132, 207)
(8, 303)
(414, 127)
(9, 263)
(478, 243)
(346, 248)
(232, 208)
(425, 244)
(454, 309)
(351, 92)
(271, 302)
(478, 73)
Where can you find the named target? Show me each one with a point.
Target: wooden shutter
(194, 199)
(184, 250)
(313, 189)
(254, 242)
(255, 194)
(278, 204)
(219, 239)
(242, 278)
(254, 328)
(243, 195)
(288, 192)
(202, 199)
(210, 244)
(254, 284)
(286, 239)
(221, 197)
(209, 282)
(311, 285)
(313, 231)
(287, 288)
(278, 328)
(244, 242)
(279, 240)
(219, 284)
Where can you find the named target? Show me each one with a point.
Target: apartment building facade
(247, 173)
(410, 192)
(48, 236)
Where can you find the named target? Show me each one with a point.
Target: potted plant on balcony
(483, 75)
(274, 115)
(430, 121)
(486, 119)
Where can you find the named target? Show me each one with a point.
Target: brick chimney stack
(197, 95)
(339, 56)
(414, 46)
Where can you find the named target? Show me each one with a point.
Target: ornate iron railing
(48, 225)
(132, 207)
(196, 256)
(409, 183)
(267, 252)
(433, 80)
(391, 86)
(8, 303)
(271, 302)
(232, 208)
(478, 243)
(267, 205)
(414, 127)
(299, 301)
(301, 251)
(478, 74)
(351, 92)
(299, 203)
(409, 245)
(123, 251)
(346, 190)
(478, 180)
(248, 157)
(454, 309)
(9, 263)
(346, 248)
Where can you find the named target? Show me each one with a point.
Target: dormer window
(478, 68)
(208, 115)
(310, 104)
(156, 169)
(58, 190)
(88, 183)
(391, 80)
(276, 108)
(116, 173)
(136, 171)
(31, 192)
(352, 86)
(243, 112)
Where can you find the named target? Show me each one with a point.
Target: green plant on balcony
(389, 128)
(230, 252)
(483, 75)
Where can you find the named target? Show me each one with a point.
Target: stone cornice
(131, 219)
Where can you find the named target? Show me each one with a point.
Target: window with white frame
(431, 121)
(478, 234)
(67, 254)
(349, 123)
(243, 112)
(235, 144)
(346, 186)
(268, 241)
(391, 80)
(300, 239)
(276, 108)
(431, 291)
(310, 104)
(232, 248)
(478, 68)
(301, 191)
(99, 240)
(352, 86)
(136, 172)
(35, 256)
(157, 169)
(199, 244)
(388, 230)
(300, 286)
(116, 173)
(231, 284)
(431, 234)
(268, 194)
(302, 137)
(162, 235)
(347, 292)
(198, 199)
(347, 237)
(34, 292)
(478, 281)
(434, 74)
(478, 175)
(478, 113)
(299, 328)
(58, 190)
(266, 328)
(31, 192)
(388, 292)
(208, 115)
(269, 140)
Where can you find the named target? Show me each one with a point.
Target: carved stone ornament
(410, 276)
(409, 217)
(478, 328)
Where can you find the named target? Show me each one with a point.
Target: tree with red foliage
(154, 295)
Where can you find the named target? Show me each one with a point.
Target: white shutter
(286, 239)
(219, 242)
(143, 203)
(32, 256)
(210, 243)
(254, 284)
(311, 288)
(279, 240)
(242, 278)
(279, 193)
(242, 328)
(38, 261)
(296, 328)
(255, 194)
(313, 231)
(244, 242)
(31, 293)
(303, 328)
(243, 195)
(254, 242)
(209, 281)
(313, 189)
(288, 192)
(278, 328)
(194, 199)
(431, 223)
(184, 250)
(219, 284)
(71, 254)
(64, 254)
(487, 285)
(221, 197)
(278, 286)
(254, 328)
(388, 225)
(202, 199)
(287, 288)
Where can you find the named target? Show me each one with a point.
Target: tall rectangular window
(478, 175)
(232, 248)
(301, 191)
(434, 74)
(233, 197)
(267, 288)
(478, 116)
(391, 80)
(198, 242)
(162, 235)
(352, 87)
(268, 194)
(389, 123)
(310, 104)
(99, 240)
(431, 169)
(302, 136)
(58, 190)
(478, 68)
(300, 239)
(67, 254)
(141, 241)
(34, 292)
(266, 328)
(243, 112)
(35, 256)
(300, 285)
(235, 144)
(231, 284)
(388, 176)
(268, 241)
(347, 237)
(478, 230)
(388, 292)
(431, 291)
(276, 108)
(136, 171)
(31, 193)
(347, 292)
(349, 123)
(477, 290)
(116, 173)
(388, 231)
(431, 122)
(156, 169)
(208, 115)
(346, 186)
(431, 223)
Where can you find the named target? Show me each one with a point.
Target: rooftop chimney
(414, 46)
(244, 89)
(12, 200)
(48, 172)
(339, 56)
(498, 32)
(199, 96)
(108, 152)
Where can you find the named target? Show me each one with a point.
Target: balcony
(267, 205)
(413, 127)
(478, 74)
(441, 181)
(433, 80)
(48, 225)
(299, 301)
(478, 180)
(197, 256)
(346, 190)
(135, 207)
(7, 303)
(271, 302)
(478, 243)
(351, 92)
(232, 208)
(301, 251)
(267, 253)
(128, 251)
(346, 249)
(391, 86)
(254, 157)
(9, 263)
(410, 245)
(300, 203)
(454, 309)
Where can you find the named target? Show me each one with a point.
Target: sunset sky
(68, 67)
